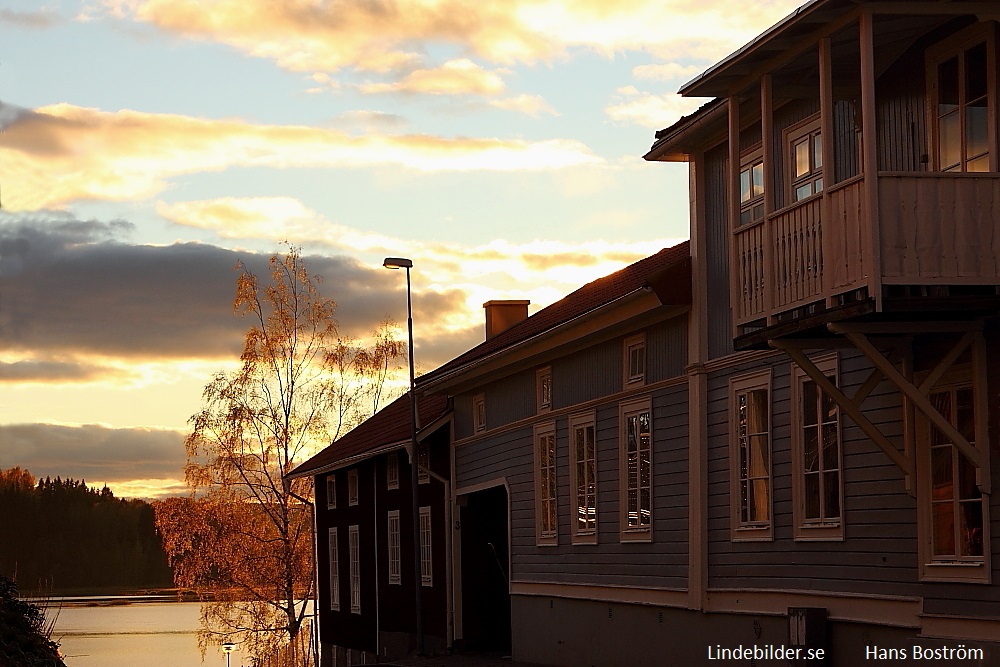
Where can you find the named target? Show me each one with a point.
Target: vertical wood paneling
(666, 349)
(720, 326)
(588, 374)
(843, 258)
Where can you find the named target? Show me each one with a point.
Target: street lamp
(227, 648)
(403, 263)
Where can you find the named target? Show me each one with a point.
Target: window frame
(543, 398)
(748, 163)
(331, 491)
(749, 531)
(638, 533)
(392, 471)
(581, 535)
(630, 379)
(426, 547)
(809, 130)
(393, 547)
(546, 535)
(353, 482)
(963, 569)
(820, 530)
(333, 552)
(479, 413)
(354, 557)
(956, 46)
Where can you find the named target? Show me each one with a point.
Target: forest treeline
(60, 534)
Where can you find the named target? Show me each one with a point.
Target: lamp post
(227, 648)
(403, 263)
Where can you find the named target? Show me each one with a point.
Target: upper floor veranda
(782, 187)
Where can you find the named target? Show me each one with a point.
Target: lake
(152, 631)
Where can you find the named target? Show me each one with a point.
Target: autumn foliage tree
(243, 536)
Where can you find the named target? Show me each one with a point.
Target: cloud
(38, 20)
(650, 110)
(532, 105)
(387, 37)
(76, 288)
(455, 77)
(93, 451)
(53, 370)
(667, 72)
(62, 153)
(368, 120)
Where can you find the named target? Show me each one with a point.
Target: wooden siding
(845, 238)
(588, 374)
(720, 326)
(659, 564)
(900, 111)
(666, 349)
(940, 228)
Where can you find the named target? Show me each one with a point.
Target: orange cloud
(650, 110)
(61, 153)
(455, 77)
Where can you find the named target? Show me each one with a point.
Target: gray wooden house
(795, 452)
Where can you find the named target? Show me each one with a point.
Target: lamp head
(227, 647)
(397, 263)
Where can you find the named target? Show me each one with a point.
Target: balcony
(932, 229)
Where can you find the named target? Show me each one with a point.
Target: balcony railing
(934, 228)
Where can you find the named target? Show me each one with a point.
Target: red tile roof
(388, 426)
(644, 273)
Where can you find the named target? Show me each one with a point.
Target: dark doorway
(485, 571)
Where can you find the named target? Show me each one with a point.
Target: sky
(147, 146)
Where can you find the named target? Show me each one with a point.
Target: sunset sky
(148, 145)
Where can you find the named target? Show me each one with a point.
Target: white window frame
(638, 532)
(354, 554)
(750, 199)
(423, 463)
(956, 46)
(583, 491)
(426, 548)
(817, 529)
(334, 553)
(809, 131)
(543, 389)
(953, 568)
(741, 439)
(479, 413)
(392, 542)
(545, 464)
(331, 491)
(392, 471)
(634, 375)
(352, 487)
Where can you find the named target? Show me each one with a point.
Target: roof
(386, 429)
(651, 272)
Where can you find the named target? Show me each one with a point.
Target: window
(392, 471)
(583, 464)
(393, 542)
(331, 491)
(805, 145)
(637, 471)
(424, 464)
(750, 457)
(545, 484)
(334, 570)
(752, 188)
(354, 550)
(817, 460)
(426, 564)
(543, 389)
(955, 539)
(961, 100)
(635, 360)
(352, 487)
(479, 412)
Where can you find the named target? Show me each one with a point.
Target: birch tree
(243, 538)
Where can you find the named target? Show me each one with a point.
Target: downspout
(448, 574)
(314, 640)
(378, 596)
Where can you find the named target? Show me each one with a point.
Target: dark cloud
(70, 286)
(47, 370)
(40, 19)
(93, 452)
(433, 351)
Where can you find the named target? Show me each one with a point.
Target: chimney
(502, 315)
